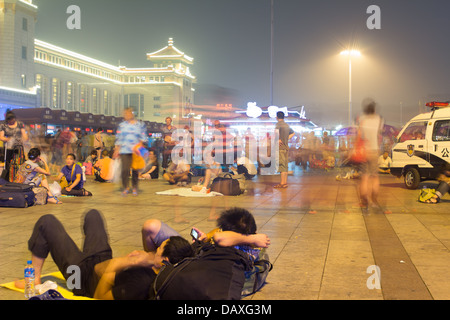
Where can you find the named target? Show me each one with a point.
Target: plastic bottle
(29, 280)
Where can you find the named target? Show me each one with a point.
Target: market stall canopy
(34, 115)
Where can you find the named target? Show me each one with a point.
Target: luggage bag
(16, 195)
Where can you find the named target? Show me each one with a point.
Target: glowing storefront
(260, 121)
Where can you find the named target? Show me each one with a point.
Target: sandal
(281, 186)
(56, 199)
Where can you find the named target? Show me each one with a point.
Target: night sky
(405, 63)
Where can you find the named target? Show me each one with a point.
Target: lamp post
(350, 54)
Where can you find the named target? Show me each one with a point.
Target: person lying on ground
(101, 276)
(444, 185)
(235, 227)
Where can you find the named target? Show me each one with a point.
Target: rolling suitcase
(16, 195)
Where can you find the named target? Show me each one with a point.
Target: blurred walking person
(370, 125)
(131, 132)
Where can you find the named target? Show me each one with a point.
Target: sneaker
(125, 192)
(203, 190)
(135, 193)
(44, 287)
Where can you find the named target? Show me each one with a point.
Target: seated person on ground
(34, 172)
(73, 174)
(384, 163)
(151, 169)
(178, 173)
(246, 167)
(103, 168)
(129, 277)
(213, 169)
(92, 158)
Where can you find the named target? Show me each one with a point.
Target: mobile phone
(194, 234)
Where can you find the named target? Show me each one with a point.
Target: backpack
(22, 172)
(255, 279)
(229, 184)
(214, 273)
(426, 194)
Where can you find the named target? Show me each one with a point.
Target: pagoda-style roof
(170, 52)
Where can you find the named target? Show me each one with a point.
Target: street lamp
(350, 54)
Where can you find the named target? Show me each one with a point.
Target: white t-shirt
(248, 164)
(384, 163)
(370, 126)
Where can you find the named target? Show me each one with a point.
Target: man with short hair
(285, 133)
(235, 226)
(167, 131)
(101, 276)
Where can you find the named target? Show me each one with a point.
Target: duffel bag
(226, 185)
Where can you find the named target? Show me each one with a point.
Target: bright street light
(353, 53)
(350, 54)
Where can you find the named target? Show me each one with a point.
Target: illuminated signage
(253, 111)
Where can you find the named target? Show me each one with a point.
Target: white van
(423, 146)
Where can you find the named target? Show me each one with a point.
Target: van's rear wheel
(412, 178)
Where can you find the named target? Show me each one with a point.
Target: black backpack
(214, 273)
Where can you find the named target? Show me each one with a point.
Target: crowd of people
(71, 155)
(134, 276)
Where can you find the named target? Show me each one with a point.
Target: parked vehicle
(423, 146)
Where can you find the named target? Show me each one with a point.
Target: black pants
(126, 160)
(167, 156)
(49, 236)
(442, 189)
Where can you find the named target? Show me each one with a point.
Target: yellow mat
(55, 277)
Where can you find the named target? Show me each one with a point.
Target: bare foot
(20, 284)
(180, 220)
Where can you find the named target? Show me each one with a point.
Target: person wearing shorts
(285, 133)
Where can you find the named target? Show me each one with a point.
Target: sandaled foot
(54, 200)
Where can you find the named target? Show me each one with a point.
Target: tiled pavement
(322, 245)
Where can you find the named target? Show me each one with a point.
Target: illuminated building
(58, 78)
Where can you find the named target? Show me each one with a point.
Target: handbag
(137, 162)
(64, 183)
(359, 154)
(41, 195)
(426, 194)
(227, 185)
